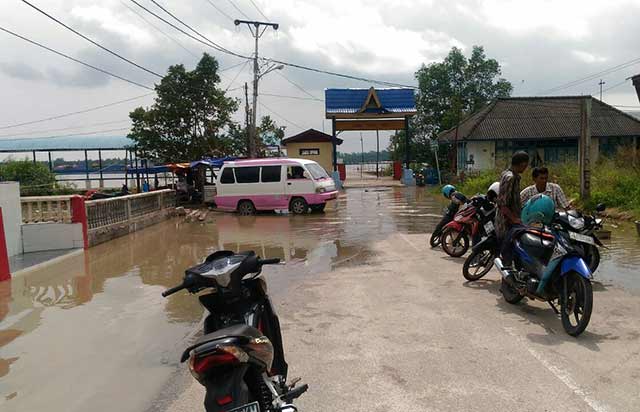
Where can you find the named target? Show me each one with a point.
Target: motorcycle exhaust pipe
(506, 275)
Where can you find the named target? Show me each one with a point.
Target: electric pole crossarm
(238, 22)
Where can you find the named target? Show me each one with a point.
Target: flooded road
(77, 335)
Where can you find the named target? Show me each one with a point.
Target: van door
(272, 188)
(298, 181)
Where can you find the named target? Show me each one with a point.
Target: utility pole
(247, 113)
(257, 32)
(361, 155)
(377, 153)
(584, 148)
(602, 83)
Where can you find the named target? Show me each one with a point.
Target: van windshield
(316, 171)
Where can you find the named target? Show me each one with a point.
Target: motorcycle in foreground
(549, 268)
(474, 222)
(239, 359)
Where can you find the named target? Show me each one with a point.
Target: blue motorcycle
(549, 268)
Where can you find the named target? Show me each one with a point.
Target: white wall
(12, 216)
(51, 236)
(483, 154)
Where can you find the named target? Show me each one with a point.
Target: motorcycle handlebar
(273, 261)
(172, 290)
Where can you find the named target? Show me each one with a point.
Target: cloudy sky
(541, 44)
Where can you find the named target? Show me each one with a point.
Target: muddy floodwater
(92, 333)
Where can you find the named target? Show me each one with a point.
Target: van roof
(268, 161)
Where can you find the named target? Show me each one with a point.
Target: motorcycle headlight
(576, 222)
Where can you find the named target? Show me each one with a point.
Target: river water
(93, 333)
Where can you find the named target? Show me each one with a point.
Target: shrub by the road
(35, 178)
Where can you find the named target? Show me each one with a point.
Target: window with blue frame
(608, 146)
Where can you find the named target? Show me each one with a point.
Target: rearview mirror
(601, 207)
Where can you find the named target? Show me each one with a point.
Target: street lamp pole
(257, 29)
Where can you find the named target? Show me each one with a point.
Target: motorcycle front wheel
(454, 243)
(435, 240)
(592, 257)
(576, 303)
(478, 264)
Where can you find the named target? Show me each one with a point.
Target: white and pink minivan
(272, 184)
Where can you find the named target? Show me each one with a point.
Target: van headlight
(320, 189)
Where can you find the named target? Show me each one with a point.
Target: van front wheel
(298, 206)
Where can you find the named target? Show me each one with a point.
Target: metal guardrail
(122, 209)
(42, 209)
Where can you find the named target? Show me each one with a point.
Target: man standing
(541, 185)
(509, 207)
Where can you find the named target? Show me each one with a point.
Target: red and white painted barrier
(5, 270)
(79, 215)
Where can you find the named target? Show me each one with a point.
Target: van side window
(227, 176)
(271, 174)
(247, 174)
(295, 172)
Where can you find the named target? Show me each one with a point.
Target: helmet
(494, 189)
(538, 209)
(447, 190)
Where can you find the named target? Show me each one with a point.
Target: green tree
(455, 87)
(190, 118)
(34, 178)
(269, 133)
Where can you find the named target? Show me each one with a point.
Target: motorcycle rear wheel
(576, 304)
(454, 243)
(478, 264)
(509, 293)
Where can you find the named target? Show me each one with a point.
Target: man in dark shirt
(508, 221)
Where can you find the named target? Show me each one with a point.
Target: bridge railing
(43, 209)
(122, 209)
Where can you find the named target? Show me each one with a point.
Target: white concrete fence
(124, 209)
(41, 209)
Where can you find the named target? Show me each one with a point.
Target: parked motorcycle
(582, 230)
(448, 214)
(472, 222)
(579, 228)
(240, 358)
(549, 268)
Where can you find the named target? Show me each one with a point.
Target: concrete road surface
(405, 332)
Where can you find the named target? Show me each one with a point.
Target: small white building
(548, 128)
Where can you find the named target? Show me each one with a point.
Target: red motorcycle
(474, 221)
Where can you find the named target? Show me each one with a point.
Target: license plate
(250, 407)
(582, 238)
(488, 227)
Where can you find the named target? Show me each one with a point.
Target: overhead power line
(207, 43)
(313, 99)
(211, 44)
(258, 8)
(92, 41)
(280, 116)
(76, 60)
(236, 76)
(60, 116)
(68, 135)
(238, 8)
(298, 86)
(64, 128)
(593, 76)
(137, 13)
(219, 10)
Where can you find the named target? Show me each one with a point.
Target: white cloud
(588, 57)
(345, 33)
(109, 22)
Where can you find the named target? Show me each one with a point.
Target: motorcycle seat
(239, 334)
